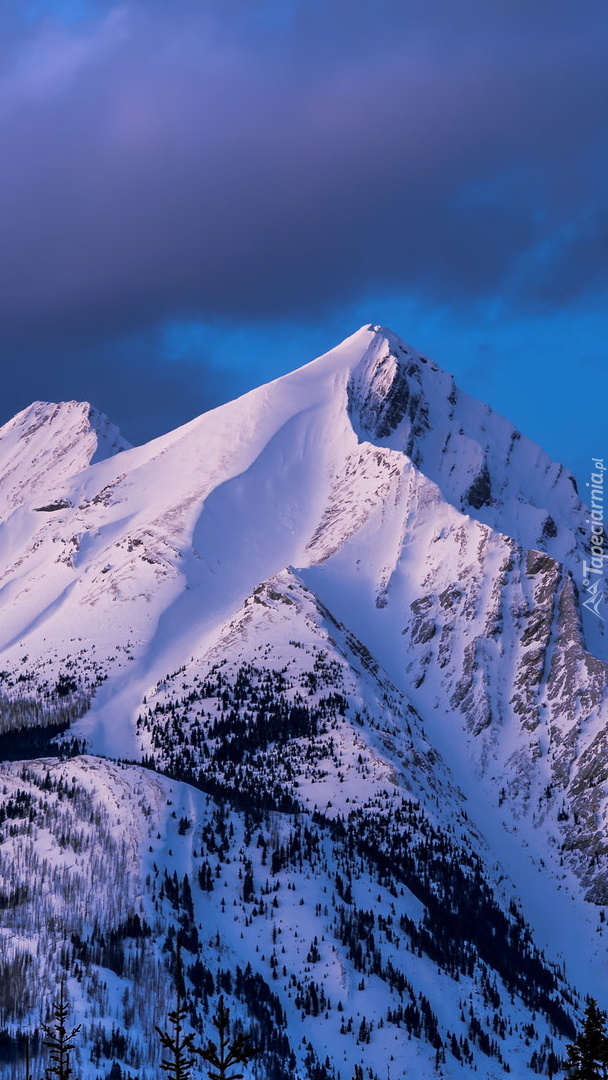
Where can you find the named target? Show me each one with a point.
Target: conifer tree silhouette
(179, 1046)
(226, 1055)
(588, 1054)
(59, 1042)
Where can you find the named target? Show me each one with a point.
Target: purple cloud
(159, 160)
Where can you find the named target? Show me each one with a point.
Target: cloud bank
(162, 157)
(228, 161)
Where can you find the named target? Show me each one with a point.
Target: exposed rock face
(480, 491)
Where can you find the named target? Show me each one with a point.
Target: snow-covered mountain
(45, 445)
(341, 615)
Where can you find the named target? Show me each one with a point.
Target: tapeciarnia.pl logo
(593, 572)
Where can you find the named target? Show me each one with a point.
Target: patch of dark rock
(395, 406)
(450, 596)
(538, 563)
(60, 505)
(549, 529)
(423, 632)
(480, 491)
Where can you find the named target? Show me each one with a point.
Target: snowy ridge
(478, 459)
(341, 614)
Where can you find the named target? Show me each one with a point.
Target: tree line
(587, 1055)
(222, 1058)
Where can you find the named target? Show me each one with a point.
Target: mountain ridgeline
(303, 698)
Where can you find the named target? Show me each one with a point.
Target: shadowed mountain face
(341, 615)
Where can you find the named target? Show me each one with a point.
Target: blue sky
(196, 197)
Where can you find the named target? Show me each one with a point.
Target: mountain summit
(336, 625)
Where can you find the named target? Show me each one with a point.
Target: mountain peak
(47, 443)
(482, 464)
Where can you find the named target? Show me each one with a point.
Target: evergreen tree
(179, 1046)
(28, 1075)
(224, 1057)
(59, 1042)
(588, 1054)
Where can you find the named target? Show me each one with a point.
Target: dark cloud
(567, 265)
(236, 161)
(157, 158)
